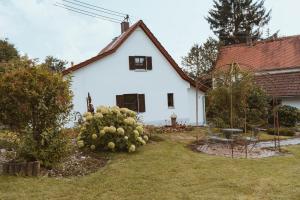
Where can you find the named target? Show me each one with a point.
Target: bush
(9, 140)
(288, 116)
(113, 129)
(35, 98)
(55, 145)
(282, 132)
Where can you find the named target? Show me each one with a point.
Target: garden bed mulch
(78, 164)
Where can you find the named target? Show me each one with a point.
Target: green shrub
(55, 145)
(282, 132)
(9, 140)
(288, 116)
(113, 129)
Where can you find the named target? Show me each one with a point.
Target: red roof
(117, 42)
(281, 84)
(281, 53)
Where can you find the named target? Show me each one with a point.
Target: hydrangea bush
(111, 128)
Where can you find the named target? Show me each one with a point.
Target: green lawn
(169, 170)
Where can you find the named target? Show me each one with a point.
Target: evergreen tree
(236, 21)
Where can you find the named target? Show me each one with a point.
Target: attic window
(140, 63)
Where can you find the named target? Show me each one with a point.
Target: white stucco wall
(110, 76)
(291, 101)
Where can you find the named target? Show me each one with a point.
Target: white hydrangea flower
(140, 129)
(106, 129)
(120, 131)
(94, 136)
(126, 137)
(131, 148)
(102, 132)
(103, 109)
(146, 138)
(98, 115)
(136, 133)
(112, 129)
(87, 114)
(111, 145)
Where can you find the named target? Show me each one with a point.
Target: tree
(236, 100)
(55, 64)
(236, 21)
(34, 98)
(199, 62)
(7, 51)
(201, 58)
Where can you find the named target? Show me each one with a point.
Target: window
(135, 102)
(140, 63)
(170, 100)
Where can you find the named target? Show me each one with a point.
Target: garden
(110, 153)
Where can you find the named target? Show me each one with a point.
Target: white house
(135, 71)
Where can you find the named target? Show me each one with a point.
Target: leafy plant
(35, 98)
(9, 140)
(288, 115)
(113, 129)
(235, 99)
(55, 145)
(282, 132)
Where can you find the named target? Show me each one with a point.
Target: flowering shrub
(111, 128)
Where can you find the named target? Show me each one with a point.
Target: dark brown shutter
(120, 100)
(142, 107)
(131, 63)
(149, 63)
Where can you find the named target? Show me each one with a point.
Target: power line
(74, 9)
(83, 12)
(100, 7)
(92, 8)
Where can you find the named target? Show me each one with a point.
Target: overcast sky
(38, 28)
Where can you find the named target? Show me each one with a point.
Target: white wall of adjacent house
(110, 76)
(291, 101)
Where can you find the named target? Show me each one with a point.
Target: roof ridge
(261, 41)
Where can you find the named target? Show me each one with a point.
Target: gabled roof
(266, 55)
(117, 42)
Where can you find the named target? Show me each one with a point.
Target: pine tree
(236, 21)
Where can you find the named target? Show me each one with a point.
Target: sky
(38, 28)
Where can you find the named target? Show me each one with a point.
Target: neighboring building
(275, 62)
(135, 71)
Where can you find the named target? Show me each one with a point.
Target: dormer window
(139, 63)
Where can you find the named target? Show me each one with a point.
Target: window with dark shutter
(149, 63)
(135, 102)
(120, 101)
(141, 102)
(140, 63)
(170, 100)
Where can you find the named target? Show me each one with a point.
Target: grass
(169, 170)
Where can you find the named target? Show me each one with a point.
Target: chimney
(124, 26)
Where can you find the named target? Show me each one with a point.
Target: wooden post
(29, 168)
(11, 170)
(36, 168)
(5, 168)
